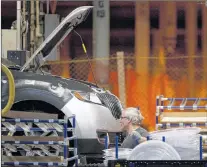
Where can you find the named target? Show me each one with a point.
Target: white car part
(90, 117)
(154, 150)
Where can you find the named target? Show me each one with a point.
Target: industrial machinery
(97, 111)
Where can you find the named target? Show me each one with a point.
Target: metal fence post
(121, 77)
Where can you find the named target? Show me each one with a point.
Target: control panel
(19, 57)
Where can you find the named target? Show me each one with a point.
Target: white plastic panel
(8, 41)
(154, 150)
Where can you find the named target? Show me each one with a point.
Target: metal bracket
(182, 105)
(168, 125)
(181, 124)
(195, 105)
(194, 124)
(169, 107)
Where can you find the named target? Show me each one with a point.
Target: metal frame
(64, 143)
(160, 108)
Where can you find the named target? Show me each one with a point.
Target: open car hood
(73, 19)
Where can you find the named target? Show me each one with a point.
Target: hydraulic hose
(11, 89)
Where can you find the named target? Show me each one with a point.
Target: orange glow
(64, 56)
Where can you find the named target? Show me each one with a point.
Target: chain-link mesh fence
(168, 76)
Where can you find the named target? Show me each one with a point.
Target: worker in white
(131, 120)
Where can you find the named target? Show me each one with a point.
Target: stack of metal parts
(110, 154)
(182, 113)
(27, 141)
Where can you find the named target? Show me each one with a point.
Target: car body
(95, 108)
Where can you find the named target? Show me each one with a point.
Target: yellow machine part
(11, 89)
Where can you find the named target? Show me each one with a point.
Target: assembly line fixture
(160, 107)
(27, 142)
(174, 119)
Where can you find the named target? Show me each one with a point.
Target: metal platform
(37, 149)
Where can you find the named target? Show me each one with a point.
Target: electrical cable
(85, 51)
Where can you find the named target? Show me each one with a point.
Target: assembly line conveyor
(36, 149)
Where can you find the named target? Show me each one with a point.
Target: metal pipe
(29, 23)
(41, 30)
(117, 146)
(48, 6)
(157, 110)
(25, 33)
(201, 148)
(32, 26)
(37, 18)
(106, 142)
(65, 133)
(18, 25)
